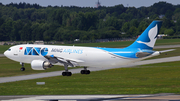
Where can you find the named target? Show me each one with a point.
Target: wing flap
(68, 59)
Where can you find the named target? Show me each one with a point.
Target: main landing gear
(85, 71)
(66, 73)
(22, 68)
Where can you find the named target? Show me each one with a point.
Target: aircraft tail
(148, 38)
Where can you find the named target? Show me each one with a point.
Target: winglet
(148, 38)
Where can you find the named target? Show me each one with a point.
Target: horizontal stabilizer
(167, 50)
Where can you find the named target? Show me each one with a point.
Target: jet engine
(40, 65)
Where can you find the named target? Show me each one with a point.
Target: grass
(3, 48)
(167, 42)
(146, 79)
(121, 44)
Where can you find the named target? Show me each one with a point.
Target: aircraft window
(9, 49)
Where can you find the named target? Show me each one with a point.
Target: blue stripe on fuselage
(123, 52)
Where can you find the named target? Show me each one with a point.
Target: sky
(92, 3)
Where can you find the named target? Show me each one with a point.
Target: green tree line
(26, 22)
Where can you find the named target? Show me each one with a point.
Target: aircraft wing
(63, 60)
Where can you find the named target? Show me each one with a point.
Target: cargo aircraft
(42, 57)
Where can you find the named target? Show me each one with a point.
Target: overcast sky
(92, 3)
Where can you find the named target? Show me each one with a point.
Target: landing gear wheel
(69, 73)
(22, 69)
(66, 73)
(88, 72)
(82, 71)
(63, 73)
(85, 72)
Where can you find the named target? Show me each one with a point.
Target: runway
(75, 71)
(1, 55)
(147, 97)
(166, 46)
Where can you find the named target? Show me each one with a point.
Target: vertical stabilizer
(148, 38)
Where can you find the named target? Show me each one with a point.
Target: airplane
(42, 57)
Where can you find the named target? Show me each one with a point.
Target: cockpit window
(9, 49)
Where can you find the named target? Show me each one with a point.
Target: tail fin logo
(152, 34)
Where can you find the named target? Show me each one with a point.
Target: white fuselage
(90, 57)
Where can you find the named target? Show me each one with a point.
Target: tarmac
(145, 97)
(166, 46)
(1, 55)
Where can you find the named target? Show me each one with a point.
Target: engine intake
(40, 65)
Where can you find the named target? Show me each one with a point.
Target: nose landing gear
(22, 68)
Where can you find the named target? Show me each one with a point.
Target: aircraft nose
(5, 53)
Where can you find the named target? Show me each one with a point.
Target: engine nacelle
(40, 65)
